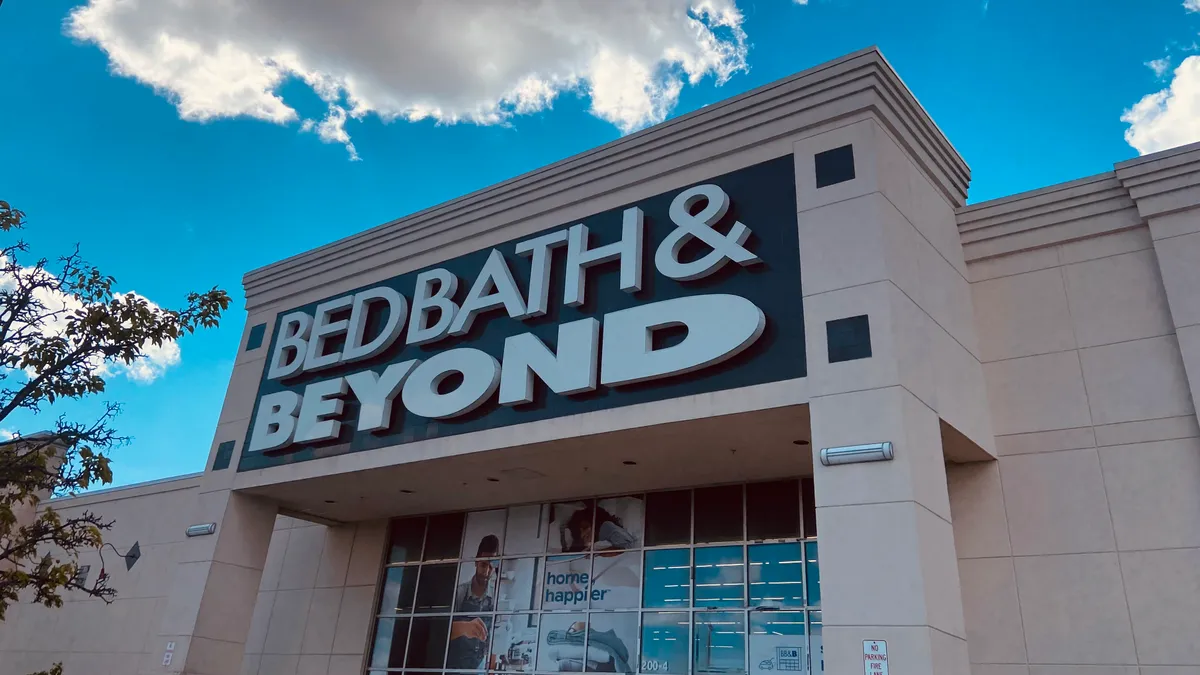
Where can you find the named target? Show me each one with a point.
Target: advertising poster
(475, 590)
(612, 643)
(525, 532)
(482, 534)
(514, 643)
(568, 582)
(568, 645)
(777, 642)
(616, 581)
(519, 584)
(468, 648)
(611, 524)
(560, 643)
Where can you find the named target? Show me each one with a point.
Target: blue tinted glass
(398, 588)
(816, 643)
(719, 643)
(777, 642)
(664, 643)
(720, 577)
(813, 573)
(668, 578)
(776, 576)
(391, 635)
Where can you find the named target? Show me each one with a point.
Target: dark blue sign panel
(691, 291)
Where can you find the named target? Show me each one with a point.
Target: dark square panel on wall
(834, 166)
(224, 455)
(255, 339)
(849, 339)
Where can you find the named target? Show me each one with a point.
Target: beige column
(207, 617)
(206, 621)
(1166, 189)
(885, 245)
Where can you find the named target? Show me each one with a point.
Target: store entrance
(716, 579)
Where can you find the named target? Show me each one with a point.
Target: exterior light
(852, 454)
(201, 530)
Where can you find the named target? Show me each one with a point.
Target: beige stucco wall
(312, 614)
(1079, 548)
(86, 635)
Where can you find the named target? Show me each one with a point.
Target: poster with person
(611, 524)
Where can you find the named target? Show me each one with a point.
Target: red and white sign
(875, 657)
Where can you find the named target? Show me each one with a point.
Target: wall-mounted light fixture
(851, 454)
(201, 530)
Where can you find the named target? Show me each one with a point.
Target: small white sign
(170, 646)
(167, 657)
(875, 657)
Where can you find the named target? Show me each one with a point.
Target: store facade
(749, 391)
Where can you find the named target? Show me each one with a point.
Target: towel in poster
(569, 644)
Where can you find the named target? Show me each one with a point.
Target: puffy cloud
(479, 61)
(152, 364)
(1169, 117)
(1191, 5)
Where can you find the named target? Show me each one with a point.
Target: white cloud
(1191, 5)
(152, 364)
(479, 61)
(1160, 66)
(1170, 117)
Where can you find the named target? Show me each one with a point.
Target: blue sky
(208, 173)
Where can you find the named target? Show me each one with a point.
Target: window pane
(525, 531)
(514, 643)
(620, 522)
(406, 537)
(777, 642)
(469, 643)
(617, 580)
(773, 510)
(570, 526)
(664, 643)
(612, 642)
(816, 644)
(398, 588)
(390, 637)
(444, 538)
(568, 582)
(812, 572)
(808, 507)
(427, 643)
(719, 514)
(519, 583)
(483, 533)
(561, 644)
(720, 577)
(669, 518)
(776, 576)
(476, 588)
(719, 643)
(435, 590)
(668, 578)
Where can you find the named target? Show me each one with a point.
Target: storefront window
(713, 580)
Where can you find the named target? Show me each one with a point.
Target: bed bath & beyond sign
(417, 340)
